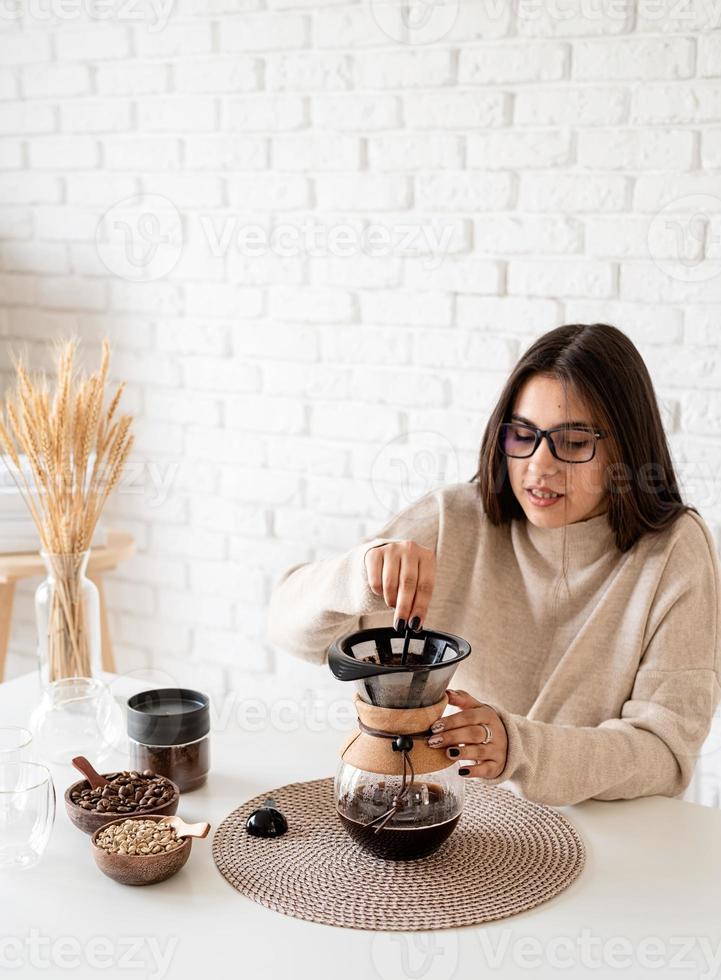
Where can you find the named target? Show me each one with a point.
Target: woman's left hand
(463, 736)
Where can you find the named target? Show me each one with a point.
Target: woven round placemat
(505, 856)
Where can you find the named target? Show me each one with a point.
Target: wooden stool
(13, 568)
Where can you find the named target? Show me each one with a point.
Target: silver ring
(489, 734)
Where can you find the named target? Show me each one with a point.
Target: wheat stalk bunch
(58, 432)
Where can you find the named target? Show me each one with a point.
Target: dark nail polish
(415, 623)
(463, 772)
(454, 753)
(401, 626)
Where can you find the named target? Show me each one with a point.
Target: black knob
(402, 743)
(266, 821)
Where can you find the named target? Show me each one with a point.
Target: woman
(588, 591)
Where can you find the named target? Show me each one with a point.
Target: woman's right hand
(404, 573)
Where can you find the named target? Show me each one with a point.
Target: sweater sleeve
(652, 748)
(315, 602)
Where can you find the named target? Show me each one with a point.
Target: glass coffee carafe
(394, 794)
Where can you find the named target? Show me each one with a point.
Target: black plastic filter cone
(372, 659)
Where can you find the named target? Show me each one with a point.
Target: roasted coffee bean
(126, 792)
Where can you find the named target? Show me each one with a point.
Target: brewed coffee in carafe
(429, 816)
(395, 795)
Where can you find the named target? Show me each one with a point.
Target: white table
(650, 893)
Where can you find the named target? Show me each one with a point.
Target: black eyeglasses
(569, 445)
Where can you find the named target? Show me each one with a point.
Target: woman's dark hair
(603, 367)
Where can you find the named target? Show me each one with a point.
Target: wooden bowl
(140, 869)
(90, 820)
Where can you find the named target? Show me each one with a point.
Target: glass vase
(67, 612)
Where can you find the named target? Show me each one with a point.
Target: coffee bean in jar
(126, 792)
(168, 732)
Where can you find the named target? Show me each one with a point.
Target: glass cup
(27, 812)
(15, 744)
(76, 716)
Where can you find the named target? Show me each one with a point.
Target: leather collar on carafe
(375, 754)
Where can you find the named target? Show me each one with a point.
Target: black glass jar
(168, 733)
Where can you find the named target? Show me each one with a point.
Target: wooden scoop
(183, 829)
(94, 778)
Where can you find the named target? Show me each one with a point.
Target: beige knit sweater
(611, 698)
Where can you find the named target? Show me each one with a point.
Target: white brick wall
(372, 226)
